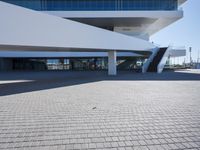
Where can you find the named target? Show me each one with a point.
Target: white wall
(33, 29)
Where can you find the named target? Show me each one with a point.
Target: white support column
(112, 63)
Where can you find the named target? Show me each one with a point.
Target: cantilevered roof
(25, 29)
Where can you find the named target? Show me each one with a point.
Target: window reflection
(98, 5)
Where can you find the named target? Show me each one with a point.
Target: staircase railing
(149, 60)
(163, 61)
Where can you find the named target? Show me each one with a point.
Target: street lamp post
(190, 50)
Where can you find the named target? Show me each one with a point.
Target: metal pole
(190, 50)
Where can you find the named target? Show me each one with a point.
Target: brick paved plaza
(90, 110)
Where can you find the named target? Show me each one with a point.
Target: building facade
(134, 18)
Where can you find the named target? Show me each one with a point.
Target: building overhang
(25, 29)
(144, 22)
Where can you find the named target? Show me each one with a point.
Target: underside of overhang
(43, 54)
(137, 22)
(137, 26)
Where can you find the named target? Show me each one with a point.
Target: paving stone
(74, 110)
(107, 145)
(92, 145)
(114, 144)
(121, 144)
(100, 145)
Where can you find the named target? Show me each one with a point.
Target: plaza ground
(90, 110)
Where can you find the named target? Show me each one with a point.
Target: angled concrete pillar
(112, 63)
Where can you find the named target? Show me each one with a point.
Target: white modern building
(85, 34)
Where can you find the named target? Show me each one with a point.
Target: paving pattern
(63, 111)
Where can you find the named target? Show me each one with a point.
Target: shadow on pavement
(35, 81)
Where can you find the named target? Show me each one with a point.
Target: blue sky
(185, 32)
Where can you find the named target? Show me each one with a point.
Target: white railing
(177, 47)
(149, 60)
(163, 61)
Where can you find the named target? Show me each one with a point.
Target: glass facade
(96, 5)
(90, 63)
